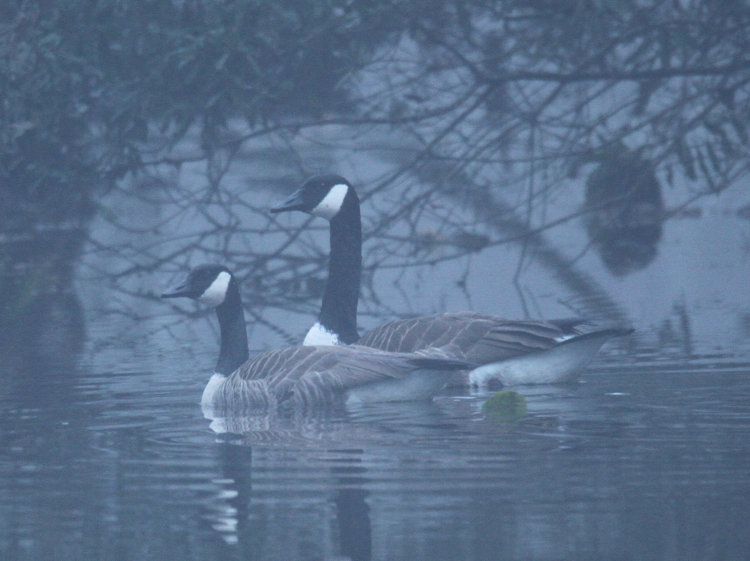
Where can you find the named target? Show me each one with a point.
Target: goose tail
(557, 364)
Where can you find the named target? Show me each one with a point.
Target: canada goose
(509, 351)
(297, 377)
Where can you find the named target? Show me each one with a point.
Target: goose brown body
(301, 377)
(485, 339)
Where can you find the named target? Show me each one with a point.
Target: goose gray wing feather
(361, 366)
(317, 374)
(480, 338)
(411, 334)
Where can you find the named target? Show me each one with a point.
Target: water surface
(106, 454)
(636, 460)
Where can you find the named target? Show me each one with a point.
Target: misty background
(584, 158)
(534, 159)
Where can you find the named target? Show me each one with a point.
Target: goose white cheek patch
(331, 203)
(216, 293)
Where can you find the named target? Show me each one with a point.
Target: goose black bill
(295, 201)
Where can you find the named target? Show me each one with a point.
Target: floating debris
(505, 407)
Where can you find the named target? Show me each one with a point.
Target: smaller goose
(299, 377)
(511, 352)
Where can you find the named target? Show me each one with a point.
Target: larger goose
(509, 351)
(298, 377)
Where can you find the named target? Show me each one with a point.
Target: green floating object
(505, 407)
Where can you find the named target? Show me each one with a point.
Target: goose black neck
(338, 312)
(233, 352)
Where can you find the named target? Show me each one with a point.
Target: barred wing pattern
(479, 338)
(299, 377)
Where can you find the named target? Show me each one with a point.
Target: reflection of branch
(298, 126)
(460, 121)
(620, 76)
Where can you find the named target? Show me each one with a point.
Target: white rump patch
(331, 203)
(216, 293)
(209, 392)
(555, 365)
(319, 335)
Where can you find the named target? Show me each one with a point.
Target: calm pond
(106, 453)
(535, 160)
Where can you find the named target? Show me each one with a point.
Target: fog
(529, 160)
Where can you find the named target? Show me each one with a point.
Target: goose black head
(320, 195)
(205, 283)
